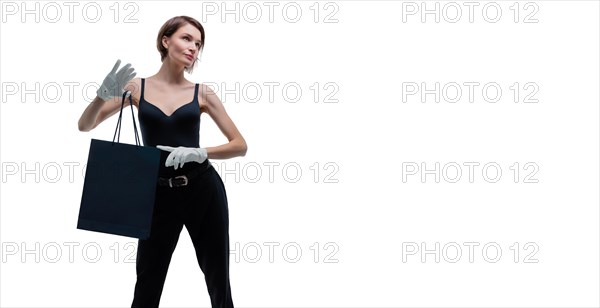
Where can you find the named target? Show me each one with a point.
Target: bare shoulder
(204, 94)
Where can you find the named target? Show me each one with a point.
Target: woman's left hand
(182, 155)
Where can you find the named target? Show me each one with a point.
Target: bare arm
(99, 110)
(237, 145)
(87, 121)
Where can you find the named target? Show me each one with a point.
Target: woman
(189, 191)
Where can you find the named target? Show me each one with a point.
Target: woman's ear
(164, 42)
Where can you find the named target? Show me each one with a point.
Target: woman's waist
(186, 169)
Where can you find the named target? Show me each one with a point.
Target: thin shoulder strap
(196, 91)
(142, 94)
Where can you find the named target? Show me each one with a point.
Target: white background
(365, 209)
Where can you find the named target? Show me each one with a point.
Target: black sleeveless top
(181, 128)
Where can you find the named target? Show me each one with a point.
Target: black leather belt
(183, 180)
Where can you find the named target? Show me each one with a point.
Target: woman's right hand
(114, 83)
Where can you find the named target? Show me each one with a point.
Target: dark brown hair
(170, 27)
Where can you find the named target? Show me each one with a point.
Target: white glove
(182, 155)
(114, 83)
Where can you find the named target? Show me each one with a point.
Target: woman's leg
(207, 222)
(154, 254)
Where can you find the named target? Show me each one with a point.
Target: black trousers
(202, 208)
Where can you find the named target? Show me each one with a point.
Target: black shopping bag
(119, 187)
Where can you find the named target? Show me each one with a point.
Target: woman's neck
(170, 74)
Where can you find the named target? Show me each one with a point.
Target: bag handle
(137, 138)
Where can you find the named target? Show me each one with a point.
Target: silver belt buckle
(180, 176)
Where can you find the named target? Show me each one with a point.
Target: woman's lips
(190, 57)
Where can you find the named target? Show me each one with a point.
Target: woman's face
(183, 46)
